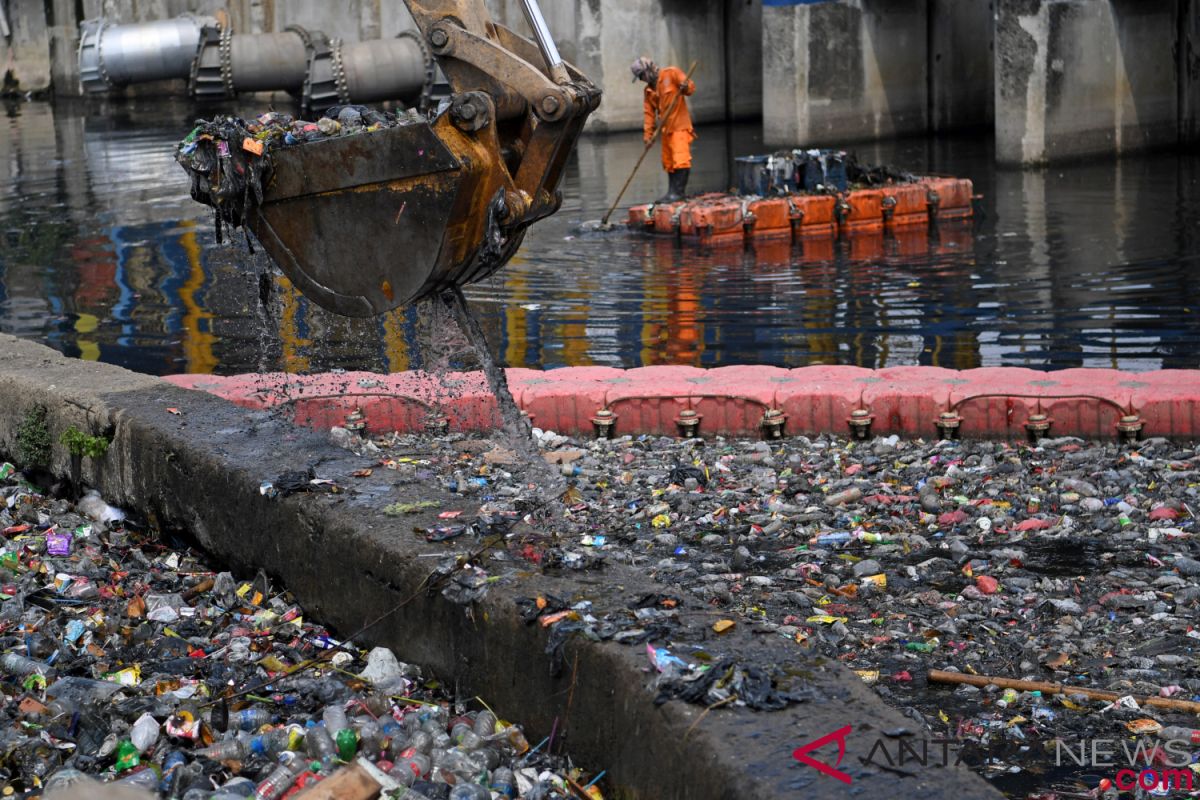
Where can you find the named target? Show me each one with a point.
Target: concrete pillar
(64, 39)
(844, 71)
(961, 64)
(25, 55)
(341, 20)
(602, 39)
(1188, 70)
(370, 20)
(744, 58)
(1084, 77)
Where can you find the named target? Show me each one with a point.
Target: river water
(104, 256)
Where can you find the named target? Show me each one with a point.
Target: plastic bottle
(488, 758)
(465, 737)
(485, 724)
(403, 773)
(279, 740)
(320, 747)
(234, 789)
(335, 719)
(516, 739)
(851, 495)
(145, 778)
(63, 778)
(19, 666)
(458, 761)
(422, 742)
(250, 719)
(831, 539)
(417, 764)
(280, 779)
(503, 782)
(470, 791)
(1173, 733)
(226, 750)
(346, 741)
(370, 736)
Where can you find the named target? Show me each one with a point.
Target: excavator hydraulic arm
(365, 223)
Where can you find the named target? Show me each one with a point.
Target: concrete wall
(961, 64)
(351, 20)
(25, 57)
(1188, 54)
(1083, 77)
(845, 71)
(602, 39)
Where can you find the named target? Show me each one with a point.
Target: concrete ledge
(348, 563)
(991, 401)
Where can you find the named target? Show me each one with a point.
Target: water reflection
(105, 257)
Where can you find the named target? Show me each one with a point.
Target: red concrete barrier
(997, 402)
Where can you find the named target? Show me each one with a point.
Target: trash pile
(1062, 562)
(128, 658)
(228, 158)
(811, 170)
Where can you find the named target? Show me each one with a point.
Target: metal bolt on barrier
(1037, 426)
(1130, 428)
(948, 425)
(603, 423)
(860, 421)
(688, 423)
(772, 423)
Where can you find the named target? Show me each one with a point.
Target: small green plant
(33, 439)
(80, 444)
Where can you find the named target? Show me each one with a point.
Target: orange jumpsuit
(677, 133)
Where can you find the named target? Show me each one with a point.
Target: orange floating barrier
(948, 198)
(666, 217)
(720, 221)
(860, 211)
(770, 218)
(641, 217)
(726, 218)
(813, 216)
(905, 205)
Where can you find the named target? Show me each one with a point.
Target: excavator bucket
(368, 222)
(362, 224)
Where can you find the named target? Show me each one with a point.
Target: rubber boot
(677, 183)
(680, 188)
(670, 196)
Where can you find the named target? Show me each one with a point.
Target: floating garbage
(129, 661)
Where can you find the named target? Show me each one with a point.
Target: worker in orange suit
(662, 87)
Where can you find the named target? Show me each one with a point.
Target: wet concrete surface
(200, 470)
(107, 258)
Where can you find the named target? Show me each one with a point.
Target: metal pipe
(545, 41)
(383, 69)
(117, 55)
(267, 62)
(304, 63)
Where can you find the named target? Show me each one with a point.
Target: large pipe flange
(92, 75)
(211, 77)
(426, 98)
(320, 83)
